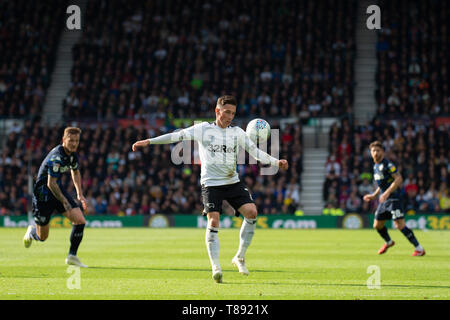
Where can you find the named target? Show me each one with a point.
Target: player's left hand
(83, 201)
(383, 197)
(283, 164)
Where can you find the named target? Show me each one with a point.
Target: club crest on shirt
(378, 176)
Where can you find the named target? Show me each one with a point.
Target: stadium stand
(29, 34)
(412, 93)
(420, 148)
(118, 181)
(164, 59)
(412, 52)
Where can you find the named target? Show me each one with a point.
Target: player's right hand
(83, 201)
(368, 197)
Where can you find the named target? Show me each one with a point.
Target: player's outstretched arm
(173, 137)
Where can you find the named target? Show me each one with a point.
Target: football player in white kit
(218, 149)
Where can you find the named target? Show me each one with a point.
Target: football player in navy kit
(49, 195)
(389, 181)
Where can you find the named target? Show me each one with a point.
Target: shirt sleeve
(252, 149)
(191, 133)
(392, 169)
(54, 166)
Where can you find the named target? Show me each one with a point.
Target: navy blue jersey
(56, 163)
(382, 173)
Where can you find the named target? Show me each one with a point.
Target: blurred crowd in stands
(174, 58)
(412, 87)
(29, 36)
(420, 150)
(412, 52)
(119, 181)
(150, 60)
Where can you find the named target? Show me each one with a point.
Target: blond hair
(71, 130)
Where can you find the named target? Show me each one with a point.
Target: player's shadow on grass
(411, 286)
(146, 269)
(179, 269)
(275, 283)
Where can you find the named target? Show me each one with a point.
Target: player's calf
(379, 225)
(33, 234)
(75, 238)
(42, 233)
(409, 234)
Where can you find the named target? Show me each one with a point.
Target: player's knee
(81, 220)
(252, 213)
(399, 225)
(215, 223)
(77, 217)
(213, 219)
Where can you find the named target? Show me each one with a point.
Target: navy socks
(384, 234)
(75, 238)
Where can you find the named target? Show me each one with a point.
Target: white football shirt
(218, 150)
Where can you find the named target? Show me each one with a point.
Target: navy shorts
(45, 203)
(235, 194)
(390, 209)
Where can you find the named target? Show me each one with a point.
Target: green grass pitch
(172, 264)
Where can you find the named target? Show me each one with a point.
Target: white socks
(246, 236)
(213, 246)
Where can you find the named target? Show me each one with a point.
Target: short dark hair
(227, 99)
(376, 144)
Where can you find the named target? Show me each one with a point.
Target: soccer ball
(258, 130)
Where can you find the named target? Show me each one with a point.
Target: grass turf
(172, 264)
